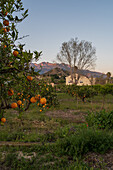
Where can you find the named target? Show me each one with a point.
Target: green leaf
(13, 34)
(26, 12)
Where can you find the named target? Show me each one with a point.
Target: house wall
(69, 81)
(82, 81)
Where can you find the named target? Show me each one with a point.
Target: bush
(85, 141)
(102, 119)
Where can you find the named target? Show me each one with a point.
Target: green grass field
(57, 138)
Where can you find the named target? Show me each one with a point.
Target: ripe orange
(43, 100)
(33, 100)
(19, 102)
(3, 119)
(5, 30)
(14, 105)
(6, 22)
(40, 110)
(10, 92)
(15, 53)
(37, 97)
(18, 94)
(5, 46)
(29, 78)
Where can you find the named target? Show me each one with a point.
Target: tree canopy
(78, 54)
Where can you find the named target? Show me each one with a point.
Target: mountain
(45, 67)
(57, 71)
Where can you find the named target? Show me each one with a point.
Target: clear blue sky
(51, 22)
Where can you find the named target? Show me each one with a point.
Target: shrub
(102, 119)
(86, 140)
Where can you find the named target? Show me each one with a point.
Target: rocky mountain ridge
(45, 67)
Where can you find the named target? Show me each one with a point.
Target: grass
(53, 134)
(69, 102)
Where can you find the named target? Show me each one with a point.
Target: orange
(3, 119)
(37, 97)
(5, 46)
(23, 99)
(33, 100)
(29, 78)
(40, 110)
(10, 92)
(5, 30)
(18, 94)
(14, 105)
(6, 22)
(43, 100)
(15, 53)
(19, 102)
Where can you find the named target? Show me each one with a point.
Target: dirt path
(72, 115)
(10, 143)
(101, 161)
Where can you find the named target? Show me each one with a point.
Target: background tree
(79, 55)
(108, 77)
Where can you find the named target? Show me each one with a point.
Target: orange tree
(17, 79)
(82, 92)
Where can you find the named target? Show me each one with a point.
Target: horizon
(49, 24)
(68, 65)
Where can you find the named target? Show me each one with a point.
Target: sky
(52, 22)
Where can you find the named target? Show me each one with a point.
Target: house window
(81, 81)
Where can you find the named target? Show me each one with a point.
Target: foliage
(89, 91)
(18, 79)
(85, 140)
(101, 119)
(60, 141)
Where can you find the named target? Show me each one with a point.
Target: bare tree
(79, 55)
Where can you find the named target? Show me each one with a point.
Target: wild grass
(59, 142)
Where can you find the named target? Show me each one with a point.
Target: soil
(95, 160)
(71, 115)
(104, 162)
